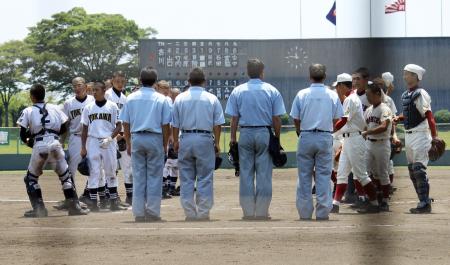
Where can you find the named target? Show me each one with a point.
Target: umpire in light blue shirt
(255, 106)
(146, 116)
(315, 110)
(198, 115)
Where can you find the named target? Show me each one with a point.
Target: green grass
(288, 141)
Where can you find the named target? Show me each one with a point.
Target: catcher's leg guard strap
(423, 187)
(67, 184)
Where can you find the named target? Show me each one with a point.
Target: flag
(332, 14)
(397, 6)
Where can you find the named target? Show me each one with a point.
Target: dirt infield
(113, 238)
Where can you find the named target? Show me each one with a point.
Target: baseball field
(395, 237)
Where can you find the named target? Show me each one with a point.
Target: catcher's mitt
(437, 149)
(396, 148)
(83, 166)
(122, 145)
(30, 139)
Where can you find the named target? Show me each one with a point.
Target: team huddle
(347, 136)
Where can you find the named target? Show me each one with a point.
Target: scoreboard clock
(296, 57)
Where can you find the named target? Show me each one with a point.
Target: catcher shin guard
(423, 187)
(33, 190)
(67, 185)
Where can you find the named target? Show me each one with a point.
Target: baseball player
(353, 153)
(163, 87)
(171, 170)
(73, 108)
(386, 85)
(420, 129)
(360, 80)
(89, 87)
(199, 116)
(100, 126)
(378, 134)
(40, 126)
(116, 95)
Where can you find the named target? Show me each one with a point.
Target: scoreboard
(223, 62)
(287, 62)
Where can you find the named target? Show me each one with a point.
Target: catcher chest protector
(412, 115)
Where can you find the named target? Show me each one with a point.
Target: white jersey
(31, 118)
(101, 120)
(390, 103)
(353, 110)
(375, 116)
(73, 109)
(364, 101)
(111, 95)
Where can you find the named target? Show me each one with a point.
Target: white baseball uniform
(102, 122)
(47, 148)
(379, 145)
(73, 109)
(390, 103)
(364, 101)
(354, 146)
(418, 139)
(125, 160)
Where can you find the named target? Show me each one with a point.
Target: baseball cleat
(116, 206)
(75, 208)
(421, 210)
(369, 209)
(335, 209)
(39, 212)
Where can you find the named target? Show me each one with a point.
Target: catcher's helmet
(83, 166)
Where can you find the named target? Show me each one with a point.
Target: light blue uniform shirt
(255, 103)
(197, 109)
(316, 107)
(146, 110)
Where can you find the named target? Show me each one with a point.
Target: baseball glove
(279, 157)
(122, 145)
(83, 166)
(218, 162)
(30, 139)
(437, 149)
(171, 154)
(233, 158)
(396, 148)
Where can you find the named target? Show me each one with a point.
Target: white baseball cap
(414, 68)
(342, 78)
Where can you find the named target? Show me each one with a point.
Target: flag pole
(301, 19)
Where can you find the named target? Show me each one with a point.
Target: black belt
(350, 133)
(260, 126)
(315, 130)
(195, 131)
(376, 140)
(145, 132)
(38, 139)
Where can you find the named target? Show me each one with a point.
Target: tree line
(69, 44)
